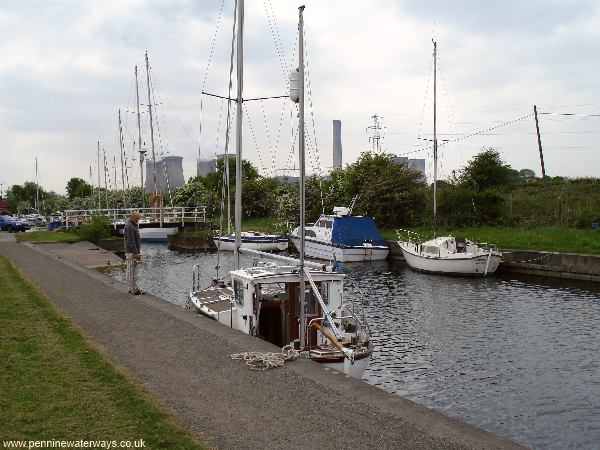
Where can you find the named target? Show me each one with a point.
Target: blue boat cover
(355, 230)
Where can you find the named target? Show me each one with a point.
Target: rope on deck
(267, 360)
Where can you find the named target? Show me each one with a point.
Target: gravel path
(185, 359)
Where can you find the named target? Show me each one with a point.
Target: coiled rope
(268, 360)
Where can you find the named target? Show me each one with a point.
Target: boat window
(310, 233)
(329, 224)
(238, 291)
(309, 301)
(430, 249)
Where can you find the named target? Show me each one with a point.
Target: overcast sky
(67, 67)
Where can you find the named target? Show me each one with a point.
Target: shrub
(95, 229)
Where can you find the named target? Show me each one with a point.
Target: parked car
(10, 224)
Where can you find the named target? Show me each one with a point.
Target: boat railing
(179, 215)
(364, 322)
(409, 236)
(487, 245)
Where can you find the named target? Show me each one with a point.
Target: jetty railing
(176, 215)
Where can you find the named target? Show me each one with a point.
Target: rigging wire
(251, 128)
(208, 64)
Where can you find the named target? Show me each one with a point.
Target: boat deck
(216, 298)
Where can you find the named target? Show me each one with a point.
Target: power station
(169, 174)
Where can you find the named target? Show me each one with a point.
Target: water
(516, 356)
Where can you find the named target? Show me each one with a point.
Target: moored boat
(254, 240)
(450, 255)
(343, 237)
(271, 299)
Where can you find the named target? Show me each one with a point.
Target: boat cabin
(266, 300)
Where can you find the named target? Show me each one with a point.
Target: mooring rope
(267, 360)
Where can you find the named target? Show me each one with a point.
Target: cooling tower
(169, 174)
(337, 144)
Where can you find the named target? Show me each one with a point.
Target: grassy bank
(55, 385)
(47, 236)
(554, 239)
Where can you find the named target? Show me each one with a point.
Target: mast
(151, 125)
(122, 150)
(115, 169)
(37, 188)
(105, 172)
(301, 144)
(98, 175)
(435, 146)
(140, 151)
(238, 132)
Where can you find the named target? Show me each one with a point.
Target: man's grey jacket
(131, 234)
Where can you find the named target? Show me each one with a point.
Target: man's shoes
(136, 292)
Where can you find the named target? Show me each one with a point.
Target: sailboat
(446, 254)
(271, 299)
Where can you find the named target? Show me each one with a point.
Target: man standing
(133, 246)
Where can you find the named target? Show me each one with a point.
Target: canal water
(516, 356)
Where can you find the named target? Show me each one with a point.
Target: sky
(67, 68)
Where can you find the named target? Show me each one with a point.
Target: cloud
(66, 67)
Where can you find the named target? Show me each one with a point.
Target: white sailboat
(446, 254)
(153, 228)
(271, 299)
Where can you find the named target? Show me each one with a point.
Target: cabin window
(329, 224)
(238, 292)
(310, 302)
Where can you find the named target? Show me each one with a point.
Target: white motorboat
(254, 240)
(343, 237)
(271, 299)
(450, 255)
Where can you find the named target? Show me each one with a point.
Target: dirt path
(185, 359)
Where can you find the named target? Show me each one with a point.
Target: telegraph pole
(539, 138)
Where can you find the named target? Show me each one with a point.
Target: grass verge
(553, 239)
(55, 385)
(47, 236)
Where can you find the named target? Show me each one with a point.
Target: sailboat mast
(151, 124)
(121, 151)
(435, 146)
(238, 132)
(98, 175)
(139, 126)
(105, 172)
(37, 188)
(301, 144)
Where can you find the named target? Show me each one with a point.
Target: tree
(392, 193)
(76, 187)
(526, 175)
(23, 198)
(486, 171)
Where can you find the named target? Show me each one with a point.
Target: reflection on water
(516, 356)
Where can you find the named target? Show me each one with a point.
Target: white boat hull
(276, 244)
(156, 234)
(329, 252)
(455, 264)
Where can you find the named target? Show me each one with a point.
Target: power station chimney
(337, 144)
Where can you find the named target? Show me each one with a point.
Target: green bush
(95, 229)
